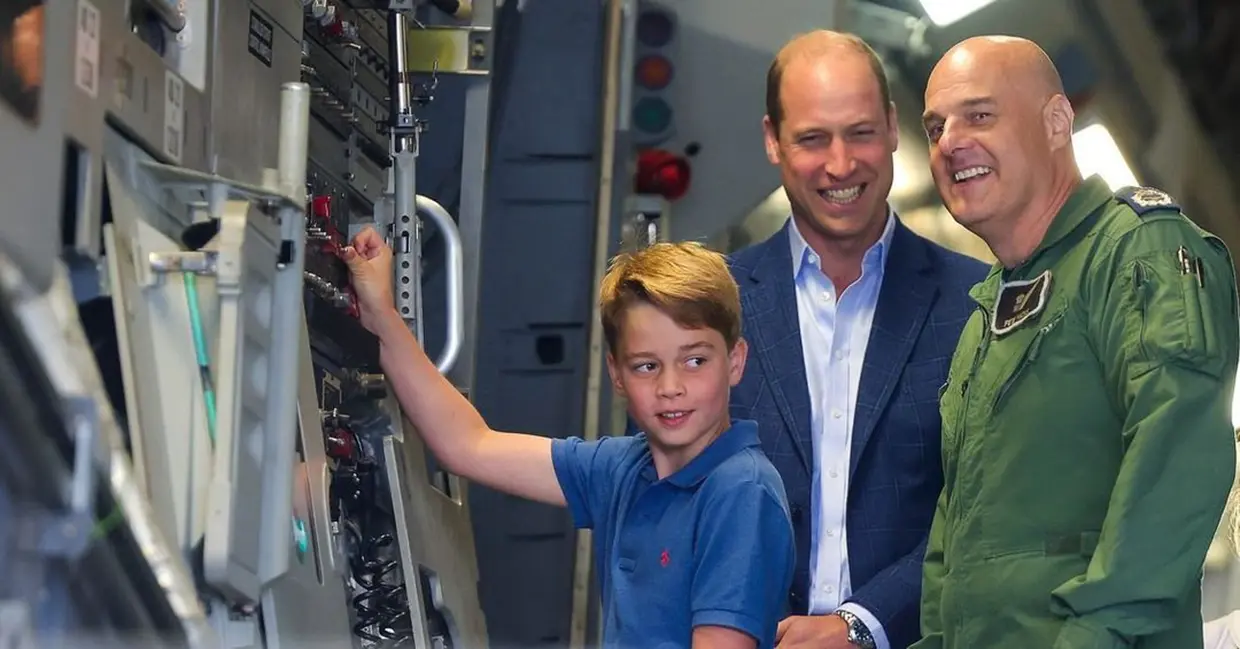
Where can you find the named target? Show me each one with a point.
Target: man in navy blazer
(852, 320)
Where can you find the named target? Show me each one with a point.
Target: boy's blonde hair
(688, 282)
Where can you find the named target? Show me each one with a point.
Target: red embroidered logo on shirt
(665, 559)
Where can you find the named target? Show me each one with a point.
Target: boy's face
(676, 380)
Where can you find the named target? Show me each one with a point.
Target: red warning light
(663, 173)
(654, 72)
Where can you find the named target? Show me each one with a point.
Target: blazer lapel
(774, 333)
(904, 302)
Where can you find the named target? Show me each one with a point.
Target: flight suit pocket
(1178, 322)
(1027, 359)
(1083, 544)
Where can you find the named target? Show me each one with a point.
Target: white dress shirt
(834, 332)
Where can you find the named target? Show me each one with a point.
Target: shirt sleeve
(744, 560)
(1164, 322)
(587, 474)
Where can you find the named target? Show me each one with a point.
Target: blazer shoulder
(957, 268)
(746, 259)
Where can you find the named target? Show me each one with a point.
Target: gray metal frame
(308, 607)
(432, 529)
(256, 294)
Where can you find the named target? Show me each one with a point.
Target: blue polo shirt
(708, 545)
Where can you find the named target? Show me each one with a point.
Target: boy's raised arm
(514, 463)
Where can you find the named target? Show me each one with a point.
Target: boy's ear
(736, 361)
(614, 372)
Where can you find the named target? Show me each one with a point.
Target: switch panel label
(261, 38)
(87, 60)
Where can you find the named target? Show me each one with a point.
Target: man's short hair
(688, 282)
(775, 75)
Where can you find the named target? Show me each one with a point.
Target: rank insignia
(1020, 301)
(1146, 199)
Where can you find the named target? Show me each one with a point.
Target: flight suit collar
(1092, 193)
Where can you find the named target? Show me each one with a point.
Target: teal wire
(208, 393)
(200, 350)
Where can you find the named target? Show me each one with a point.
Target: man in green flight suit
(1087, 444)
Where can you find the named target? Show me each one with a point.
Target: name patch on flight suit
(1019, 301)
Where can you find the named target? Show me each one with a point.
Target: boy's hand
(370, 268)
(812, 631)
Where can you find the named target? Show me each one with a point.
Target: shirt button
(831, 533)
(839, 355)
(834, 473)
(826, 296)
(828, 589)
(836, 414)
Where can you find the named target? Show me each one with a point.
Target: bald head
(1019, 61)
(813, 47)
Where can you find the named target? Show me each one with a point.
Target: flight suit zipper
(1030, 355)
(958, 443)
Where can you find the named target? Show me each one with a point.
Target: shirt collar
(742, 434)
(875, 257)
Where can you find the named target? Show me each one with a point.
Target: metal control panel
(186, 176)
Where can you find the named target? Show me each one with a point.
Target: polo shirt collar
(742, 434)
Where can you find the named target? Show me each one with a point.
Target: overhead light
(1097, 153)
(946, 12)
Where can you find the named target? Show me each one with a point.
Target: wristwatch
(858, 633)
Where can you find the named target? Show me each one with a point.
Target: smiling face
(676, 379)
(834, 146)
(990, 150)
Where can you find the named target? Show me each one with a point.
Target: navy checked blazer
(895, 469)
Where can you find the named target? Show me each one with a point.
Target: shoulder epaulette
(1143, 200)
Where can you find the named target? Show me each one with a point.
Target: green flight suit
(1088, 449)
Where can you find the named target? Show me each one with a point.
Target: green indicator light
(652, 115)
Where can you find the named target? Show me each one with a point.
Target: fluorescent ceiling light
(1097, 153)
(946, 12)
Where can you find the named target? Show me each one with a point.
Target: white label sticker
(86, 71)
(174, 115)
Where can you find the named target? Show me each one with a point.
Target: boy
(692, 535)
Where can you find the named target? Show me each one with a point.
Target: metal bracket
(199, 263)
(449, 50)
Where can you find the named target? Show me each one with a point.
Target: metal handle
(455, 280)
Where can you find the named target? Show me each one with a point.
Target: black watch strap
(858, 633)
